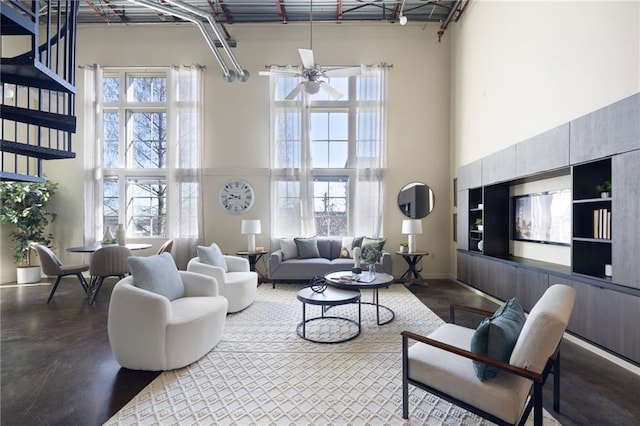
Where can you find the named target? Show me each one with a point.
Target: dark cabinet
(605, 317)
(626, 222)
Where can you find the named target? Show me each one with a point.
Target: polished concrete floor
(57, 368)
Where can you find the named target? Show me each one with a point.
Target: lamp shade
(250, 227)
(412, 226)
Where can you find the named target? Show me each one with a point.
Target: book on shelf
(602, 224)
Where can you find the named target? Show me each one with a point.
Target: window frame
(125, 107)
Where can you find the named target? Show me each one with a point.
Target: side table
(412, 259)
(253, 257)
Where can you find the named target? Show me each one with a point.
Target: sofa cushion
(348, 244)
(157, 274)
(213, 256)
(307, 247)
(496, 336)
(372, 249)
(289, 248)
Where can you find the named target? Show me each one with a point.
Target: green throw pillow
(307, 247)
(496, 337)
(372, 249)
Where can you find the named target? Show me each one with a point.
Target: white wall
(520, 68)
(236, 124)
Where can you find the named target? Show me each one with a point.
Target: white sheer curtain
(291, 179)
(184, 167)
(291, 166)
(93, 205)
(184, 211)
(371, 151)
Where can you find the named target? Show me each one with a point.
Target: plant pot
(480, 227)
(404, 249)
(28, 275)
(604, 195)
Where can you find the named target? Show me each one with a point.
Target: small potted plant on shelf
(25, 206)
(404, 247)
(479, 224)
(604, 189)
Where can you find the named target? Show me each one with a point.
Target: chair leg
(54, 288)
(405, 376)
(95, 289)
(556, 383)
(83, 282)
(537, 404)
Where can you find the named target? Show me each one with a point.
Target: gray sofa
(329, 261)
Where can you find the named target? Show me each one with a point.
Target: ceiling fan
(313, 75)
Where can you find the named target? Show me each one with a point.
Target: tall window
(134, 117)
(328, 157)
(143, 154)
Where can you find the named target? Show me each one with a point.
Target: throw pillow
(496, 336)
(213, 256)
(372, 249)
(348, 244)
(307, 247)
(289, 248)
(157, 274)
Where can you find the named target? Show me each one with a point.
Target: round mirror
(415, 200)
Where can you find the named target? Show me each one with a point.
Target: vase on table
(108, 236)
(121, 235)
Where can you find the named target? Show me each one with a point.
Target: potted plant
(479, 224)
(604, 189)
(404, 247)
(25, 206)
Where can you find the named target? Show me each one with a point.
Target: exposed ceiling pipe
(229, 75)
(243, 75)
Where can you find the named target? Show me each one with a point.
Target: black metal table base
(302, 325)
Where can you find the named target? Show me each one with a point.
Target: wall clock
(236, 196)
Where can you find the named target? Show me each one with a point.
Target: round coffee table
(328, 298)
(381, 280)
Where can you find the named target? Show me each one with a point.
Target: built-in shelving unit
(475, 213)
(592, 216)
(602, 146)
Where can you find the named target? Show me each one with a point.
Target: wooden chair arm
(453, 307)
(471, 355)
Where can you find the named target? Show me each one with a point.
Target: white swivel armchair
(147, 331)
(238, 284)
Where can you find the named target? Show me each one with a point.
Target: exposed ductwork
(243, 75)
(193, 15)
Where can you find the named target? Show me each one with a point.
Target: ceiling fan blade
(279, 72)
(295, 92)
(333, 93)
(343, 72)
(306, 55)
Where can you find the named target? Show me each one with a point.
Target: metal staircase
(37, 112)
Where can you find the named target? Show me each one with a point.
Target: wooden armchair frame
(533, 403)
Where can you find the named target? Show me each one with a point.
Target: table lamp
(412, 227)
(251, 228)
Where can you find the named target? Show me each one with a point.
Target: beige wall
(520, 68)
(236, 131)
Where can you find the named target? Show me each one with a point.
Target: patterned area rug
(262, 373)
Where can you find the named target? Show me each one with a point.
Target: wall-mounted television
(543, 217)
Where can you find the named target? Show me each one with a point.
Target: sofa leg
(556, 383)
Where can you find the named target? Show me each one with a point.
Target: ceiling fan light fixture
(311, 87)
(403, 20)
